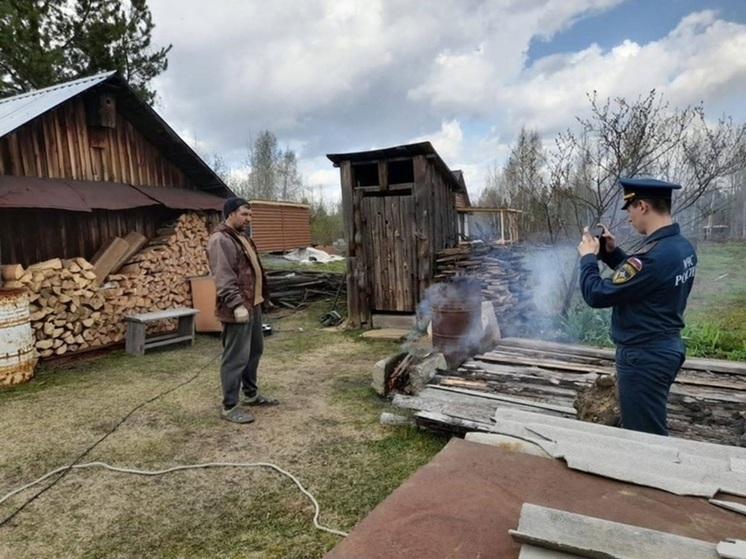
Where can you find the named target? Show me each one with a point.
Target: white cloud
(330, 76)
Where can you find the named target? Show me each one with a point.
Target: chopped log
(53, 264)
(11, 272)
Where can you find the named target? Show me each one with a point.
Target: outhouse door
(390, 250)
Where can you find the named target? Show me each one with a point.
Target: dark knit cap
(232, 204)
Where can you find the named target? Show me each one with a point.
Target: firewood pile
(707, 402)
(505, 280)
(76, 304)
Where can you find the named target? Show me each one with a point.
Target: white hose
(187, 467)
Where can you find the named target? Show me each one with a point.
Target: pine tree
(45, 42)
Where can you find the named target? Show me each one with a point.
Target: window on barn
(401, 171)
(365, 174)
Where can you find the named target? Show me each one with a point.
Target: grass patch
(715, 316)
(326, 432)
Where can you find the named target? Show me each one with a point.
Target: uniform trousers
(243, 344)
(645, 374)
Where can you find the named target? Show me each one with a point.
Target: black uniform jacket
(648, 290)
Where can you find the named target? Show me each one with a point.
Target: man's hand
(241, 314)
(609, 239)
(588, 244)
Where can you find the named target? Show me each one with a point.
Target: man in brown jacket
(241, 288)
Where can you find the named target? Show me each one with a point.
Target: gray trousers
(243, 344)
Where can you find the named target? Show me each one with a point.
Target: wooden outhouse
(399, 208)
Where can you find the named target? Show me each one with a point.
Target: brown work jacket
(235, 277)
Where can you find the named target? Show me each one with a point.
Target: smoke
(552, 270)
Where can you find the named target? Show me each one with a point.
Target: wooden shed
(399, 208)
(280, 226)
(88, 160)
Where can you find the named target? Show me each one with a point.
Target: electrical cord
(64, 470)
(317, 509)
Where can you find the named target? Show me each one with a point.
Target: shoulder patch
(626, 271)
(646, 247)
(636, 262)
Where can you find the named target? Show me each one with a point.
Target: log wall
(60, 144)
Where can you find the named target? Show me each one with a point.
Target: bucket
(17, 353)
(456, 318)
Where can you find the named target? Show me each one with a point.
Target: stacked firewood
(505, 280)
(66, 305)
(70, 310)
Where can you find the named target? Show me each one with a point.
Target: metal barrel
(17, 353)
(457, 319)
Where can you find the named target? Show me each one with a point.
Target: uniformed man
(648, 293)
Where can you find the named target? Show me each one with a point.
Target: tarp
(86, 196)
(311, 255)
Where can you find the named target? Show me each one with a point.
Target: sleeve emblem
(625, 272)
(636, 263)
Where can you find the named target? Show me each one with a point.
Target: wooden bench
(137, 343)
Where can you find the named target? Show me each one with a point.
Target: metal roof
(406, 150)
(21, 109)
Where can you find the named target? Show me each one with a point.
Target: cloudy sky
(330, 76)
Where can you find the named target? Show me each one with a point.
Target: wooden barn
(280, 226)
(88, 160)
(104, 215)
(399, 210)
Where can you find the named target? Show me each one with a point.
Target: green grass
(716, 311)
(719, 294)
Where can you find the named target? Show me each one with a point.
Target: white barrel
(17, 353)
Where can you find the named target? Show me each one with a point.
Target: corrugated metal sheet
(20, 109)
(280, 225)
(182, 198)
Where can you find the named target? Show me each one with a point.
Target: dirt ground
(326, 432)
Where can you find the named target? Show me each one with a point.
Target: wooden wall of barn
(61, 144)
(277, 226)
(29, 236)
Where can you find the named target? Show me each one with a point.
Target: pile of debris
(298, 288)
(707, 401)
